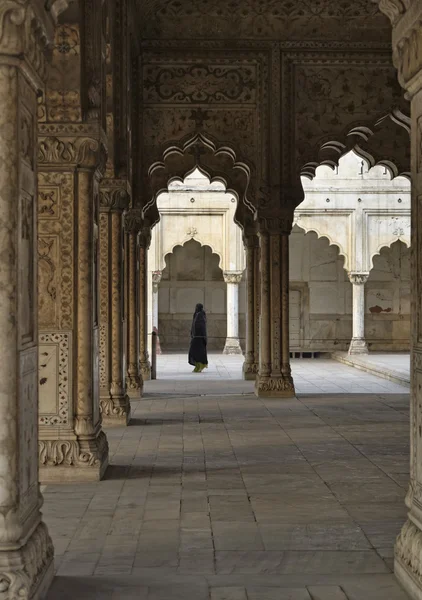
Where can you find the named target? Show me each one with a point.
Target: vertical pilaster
(134, 382)
(144, 241)
(358, 344)
(114, 401)
(26, 551)
(274, 377)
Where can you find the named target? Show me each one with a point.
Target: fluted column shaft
(274, 377)
(134, 382)
(358, 343)
(144, 242)
(114, 401)
(251, 364)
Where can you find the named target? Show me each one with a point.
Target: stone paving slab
(394, 366)
(231, 497)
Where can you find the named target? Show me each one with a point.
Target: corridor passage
(231, 497)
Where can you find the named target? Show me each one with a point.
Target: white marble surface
(311, 376)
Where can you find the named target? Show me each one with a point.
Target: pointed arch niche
(194, 244)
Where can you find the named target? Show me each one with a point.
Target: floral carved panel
(200, 83)
(55, 250)
(266, 19)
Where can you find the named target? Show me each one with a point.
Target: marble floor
(224, 496)
(389, 365)
(319, 375)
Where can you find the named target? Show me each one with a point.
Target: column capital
(144, 237)
(275, 224)
(133, 221)
(26, 30)
(156, 278)
(82, 145)
(114, 195)
(250, 239)
(232, 276)
(357, 278)
(406, 19)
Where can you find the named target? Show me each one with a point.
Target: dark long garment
(198, 344)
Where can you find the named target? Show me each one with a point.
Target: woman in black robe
(198, 344)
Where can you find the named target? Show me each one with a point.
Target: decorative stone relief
(55, 378)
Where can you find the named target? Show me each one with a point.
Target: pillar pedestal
(274, 377)
(358, 344)
(251, 364)
(232, 279)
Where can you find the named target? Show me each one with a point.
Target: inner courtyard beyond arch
(262, 159)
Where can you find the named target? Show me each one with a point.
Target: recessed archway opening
(196, 247)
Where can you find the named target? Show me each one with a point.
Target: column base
(145, 369)
(407, 562)
(358, 346)
(115, 410)
(28, 572)
(250, 371)
(232, 346)
(275, 387)
(73, 460)
(134, 387)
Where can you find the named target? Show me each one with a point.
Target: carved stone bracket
(275, 386)
(133, 221)
(114, 195)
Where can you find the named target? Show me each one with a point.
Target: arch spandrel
(384, 141)
(218, 163)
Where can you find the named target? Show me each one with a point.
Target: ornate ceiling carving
(359, 20)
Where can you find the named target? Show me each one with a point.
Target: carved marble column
(144, 241)
(134, 382)
(407, 56)
(156, 278)
(358, 343)
(72, 444)
(274, 377)
(251, 364)
(26, 551)
(114, 401)
(232, 345)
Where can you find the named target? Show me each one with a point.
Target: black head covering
(199, 307)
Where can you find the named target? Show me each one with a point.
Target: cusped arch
(384, 142)
(386, 245)
(173, 246)
(217, 163)
(330, 241)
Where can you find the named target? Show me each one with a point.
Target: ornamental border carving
(63, 342)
